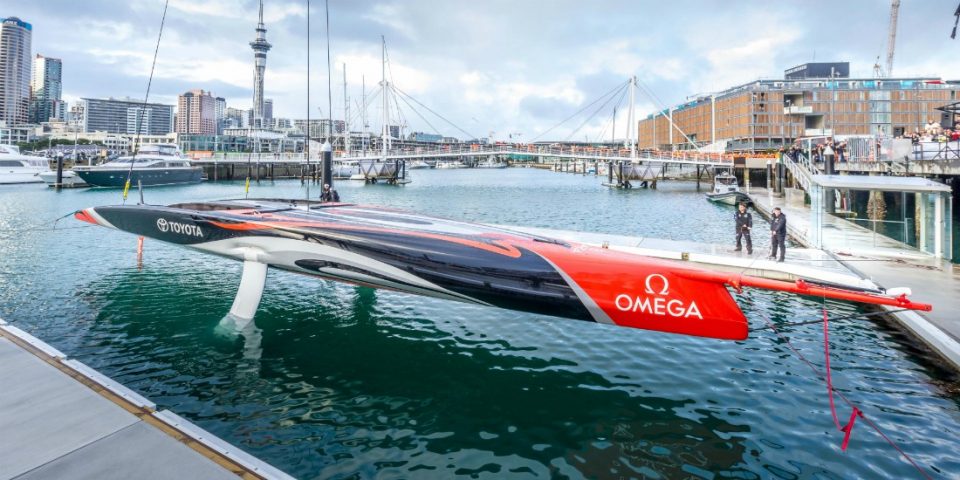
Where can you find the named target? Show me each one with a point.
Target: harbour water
(337, 381)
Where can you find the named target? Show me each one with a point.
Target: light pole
(753, 123)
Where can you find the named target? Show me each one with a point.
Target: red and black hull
(461, 261)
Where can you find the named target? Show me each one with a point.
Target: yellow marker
(126, 188)
(247, 189)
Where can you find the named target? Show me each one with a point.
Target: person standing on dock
(778, 234)
(329, 194)
(744, 221)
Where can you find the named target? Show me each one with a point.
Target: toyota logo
(162, 225)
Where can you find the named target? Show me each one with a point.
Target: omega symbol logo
(652, 283)
(163, 227)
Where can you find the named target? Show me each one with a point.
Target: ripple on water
(335, 381)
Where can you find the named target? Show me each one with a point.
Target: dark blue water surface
(337, 381)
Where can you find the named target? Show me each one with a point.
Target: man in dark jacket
(329, 194)
(744, 223)
(778, 234)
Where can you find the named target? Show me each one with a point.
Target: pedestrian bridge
(520, 152)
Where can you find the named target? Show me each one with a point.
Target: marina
(325, 348)
(473, 244)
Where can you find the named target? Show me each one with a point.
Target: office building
(15, 71)
(767, 114)
(46, 90)
(197, 113)
(123, 116)
(268, 112)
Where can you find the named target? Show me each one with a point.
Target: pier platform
(62, 419)
(888, 263)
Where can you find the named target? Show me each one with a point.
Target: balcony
(795, 110)
(818, 132)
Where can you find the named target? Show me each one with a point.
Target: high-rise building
(46, 90)
(14, 70)
(235, 118)
(220, 112)
(260, 48)
(197, 113)
(268, 112)
(124, 116)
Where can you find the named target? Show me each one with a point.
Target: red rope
(847, 429)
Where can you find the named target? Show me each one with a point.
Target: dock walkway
(888, 263)
(62, 419)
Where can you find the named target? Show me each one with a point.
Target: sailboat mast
(363, 113)
(386, 112)
(630, 123)
(346, 114)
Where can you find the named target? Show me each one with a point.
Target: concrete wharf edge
(937, 340)
(62, 419)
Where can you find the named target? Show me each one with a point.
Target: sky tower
(260, 48)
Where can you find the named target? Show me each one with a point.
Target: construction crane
(892, 35)
(953, 34)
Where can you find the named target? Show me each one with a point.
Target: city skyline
(482, 68)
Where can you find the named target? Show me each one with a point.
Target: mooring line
(857, 411)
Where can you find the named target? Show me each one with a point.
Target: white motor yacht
(18, 168)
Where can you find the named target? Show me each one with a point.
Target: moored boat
(16, 167)
(418, 165)
(153, 165)
(726, 190)
(69, 178)
(472, 263)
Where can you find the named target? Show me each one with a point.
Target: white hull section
(70, 179)
(21, 175)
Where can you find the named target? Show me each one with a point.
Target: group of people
(778, 232)
(933, 132)
(820, 151)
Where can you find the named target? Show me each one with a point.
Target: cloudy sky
(507, 67)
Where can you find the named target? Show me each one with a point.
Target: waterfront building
(260, 48)
(220, 112)
(197, 113)
(766, 114)
(15, 37)
(425, 137)
(261, 141)
(14, 134)
(75, 115)
(46, 90)
(235, 118)
(319, 128)
(122, 116)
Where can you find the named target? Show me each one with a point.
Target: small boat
(726, 190)
(489, 163)
(345, 169)
(69, 179)
(445, 165)
(472, 263)
(153, 165)
(418, 165)
(16, 167)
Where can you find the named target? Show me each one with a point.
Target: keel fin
(251, 290)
